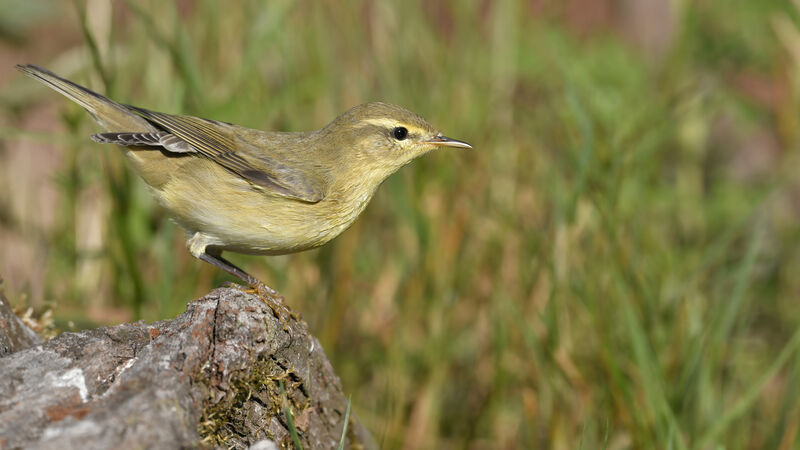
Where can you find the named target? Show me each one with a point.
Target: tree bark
(233, 371)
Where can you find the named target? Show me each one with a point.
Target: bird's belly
(242, 220)
(271, 229)
(275, 235)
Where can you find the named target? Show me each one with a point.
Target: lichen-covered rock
(226, 373)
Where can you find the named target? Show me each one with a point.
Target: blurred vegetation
(614, 265)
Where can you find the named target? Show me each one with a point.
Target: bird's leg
(227, 266)
(200, 248)
(268, 295)
(203, 247)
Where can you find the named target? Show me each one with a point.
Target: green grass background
(615, 265)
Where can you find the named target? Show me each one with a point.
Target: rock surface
(226, 373)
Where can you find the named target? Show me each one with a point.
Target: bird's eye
(400, 133)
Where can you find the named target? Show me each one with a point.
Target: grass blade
(346, 422)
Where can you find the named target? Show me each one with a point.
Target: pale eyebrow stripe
(388, 123)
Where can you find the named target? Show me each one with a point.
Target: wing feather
(210, 139)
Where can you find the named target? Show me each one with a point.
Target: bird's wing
(217, 142)
(168, 141)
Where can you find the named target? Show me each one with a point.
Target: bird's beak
(443, 141)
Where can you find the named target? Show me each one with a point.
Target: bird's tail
(109, 114)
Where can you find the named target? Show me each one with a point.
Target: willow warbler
(237, 189)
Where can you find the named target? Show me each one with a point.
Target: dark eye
(400, 133)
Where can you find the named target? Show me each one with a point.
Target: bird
(242, 190)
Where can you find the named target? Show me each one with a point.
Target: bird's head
(381, 138)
